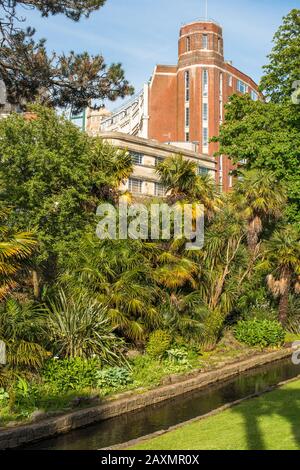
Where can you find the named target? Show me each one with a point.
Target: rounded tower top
(205, 36)
(201, 25)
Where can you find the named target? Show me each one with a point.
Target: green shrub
(178, 356)
(149, 372)
(159, 342)
(4, 396)
(260, 333)
(70, 374)
(114, 377)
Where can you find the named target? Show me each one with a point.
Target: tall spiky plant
(79, 327)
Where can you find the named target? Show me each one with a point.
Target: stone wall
(128, 402)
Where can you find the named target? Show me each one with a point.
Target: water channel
(155, 418)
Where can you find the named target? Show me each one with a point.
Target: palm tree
(184, 315)
(118, 274)
(79, 327)
(179, 177)
(283, 253)
(113, 167)
(223, 264)
(206, 193)
(15, 250)
(21, 327)
(261, 197)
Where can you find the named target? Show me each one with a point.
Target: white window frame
(187, 85)
(159, 190)
(188, 44)
(202, 170)
(205, 82)
(137, 158)
(135, 185)
(242, 87)
(187, 117)
(205, 112)
(205, 135)
(254, 95)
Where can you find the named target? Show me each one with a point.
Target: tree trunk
(284, 298)
(36, 285)
(254, 230)
(283, 307)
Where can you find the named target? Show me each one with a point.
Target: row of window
(205, 111)
(138, 158)
(241, 86)
(244, 88)
(136, 186)
(204, 44)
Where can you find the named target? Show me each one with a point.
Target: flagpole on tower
(206, 10)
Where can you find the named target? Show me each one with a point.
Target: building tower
(186, 101)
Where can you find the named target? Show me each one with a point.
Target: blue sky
(143, 33)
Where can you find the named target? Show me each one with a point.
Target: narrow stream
(175, 411)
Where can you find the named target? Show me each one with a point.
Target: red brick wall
(163, 106)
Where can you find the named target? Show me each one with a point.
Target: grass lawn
(269, 422)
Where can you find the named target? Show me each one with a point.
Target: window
(219, 45)
(205, 82)
(221, 84)
(187, 86)
(204, 41)
(202, 171)
(134, 185)
(254, 95)
(221, 166)
(137, 158)
(205, 136)
(230, 80)
(159, 160)
(187, 117)
(221, 110)
(187, 136)
(188, 44)
(241, 86)
(205, 112)
(159, 190)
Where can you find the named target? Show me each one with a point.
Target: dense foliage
(70, 374)
(52, 177)
(281, 75)
(260, 333)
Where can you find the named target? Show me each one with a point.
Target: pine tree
(31, 74)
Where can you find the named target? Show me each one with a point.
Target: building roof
(154, 144)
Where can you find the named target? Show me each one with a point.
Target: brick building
(186, 101)
(183, 104)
